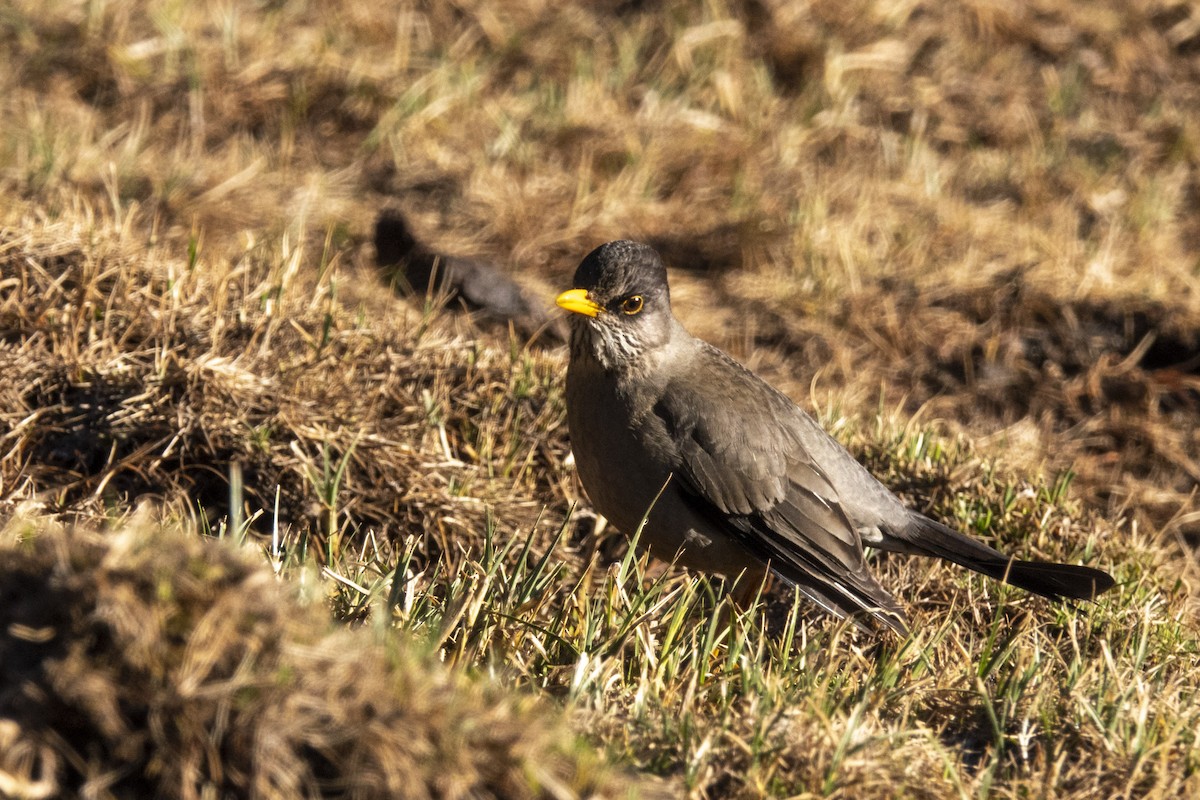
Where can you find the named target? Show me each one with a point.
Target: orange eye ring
(632, 305)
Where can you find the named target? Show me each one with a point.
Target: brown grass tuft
(146, 661)
(140, 374)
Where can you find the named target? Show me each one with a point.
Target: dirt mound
(149, 662)
(124, 384)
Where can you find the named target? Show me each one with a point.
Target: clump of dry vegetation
(978, 213)
(145, 661)
(143, 374)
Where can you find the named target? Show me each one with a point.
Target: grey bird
(729, 475)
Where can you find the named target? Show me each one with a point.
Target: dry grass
(915, 196)
(149, 662)
(980, 214)
(135, 382)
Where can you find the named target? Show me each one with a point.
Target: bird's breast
(625, 462)
(618, 473)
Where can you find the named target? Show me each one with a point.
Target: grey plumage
(734, 475)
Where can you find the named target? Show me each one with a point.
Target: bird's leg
(752, 585)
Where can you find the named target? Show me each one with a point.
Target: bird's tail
(930, 537)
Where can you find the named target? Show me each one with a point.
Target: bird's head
(621, 304)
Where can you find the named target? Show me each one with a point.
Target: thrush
(726, 474)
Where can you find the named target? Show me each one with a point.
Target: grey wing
(742, 462)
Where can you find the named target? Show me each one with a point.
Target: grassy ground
(964, 233)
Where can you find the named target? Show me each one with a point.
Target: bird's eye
(632, 304)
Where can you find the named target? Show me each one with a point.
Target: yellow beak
(577, 300)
